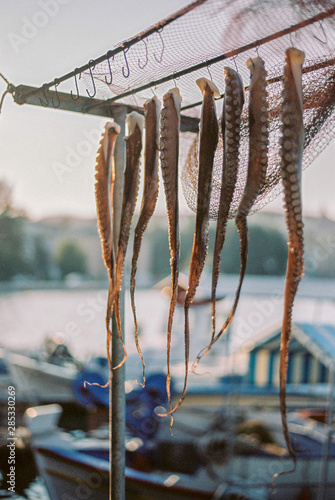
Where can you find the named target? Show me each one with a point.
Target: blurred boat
(202, 459)
(51, 374)
(45, 375)
(5, 376)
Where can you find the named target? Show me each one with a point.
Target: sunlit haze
(35, 139)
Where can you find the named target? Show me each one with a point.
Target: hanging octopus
(208, 142)
(169, 155)
(292, 144)
(149, 199)
(134, 121)
(256, 174)
(104, 202)
(231, 119)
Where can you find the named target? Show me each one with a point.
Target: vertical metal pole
(231, 416)
(328, 440)
(117, 401)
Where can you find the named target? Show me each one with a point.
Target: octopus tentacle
(231, 119)
(104, 175)
(256, 174)
(149, 199)
(208, 141)
(292, 143)
(258, 161)
(169, 154)
(130, 191)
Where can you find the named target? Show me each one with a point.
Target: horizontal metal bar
(96, 103)
(59, 100)
(307, 69)
(126, 45)
(227, 55)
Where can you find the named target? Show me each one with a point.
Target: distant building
(311, 354)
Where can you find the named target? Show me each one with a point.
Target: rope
(9, 90)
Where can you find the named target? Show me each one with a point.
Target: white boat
(46, 375)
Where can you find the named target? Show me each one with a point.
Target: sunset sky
(35, 139)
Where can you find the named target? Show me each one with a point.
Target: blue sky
(44, 39)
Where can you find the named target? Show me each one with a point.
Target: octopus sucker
(104, 175)
(134, 121)
(257, 163)
(256, 174)
(208, 140)
(292, 119)
(231, 118)
(169, 156)
(149, 198)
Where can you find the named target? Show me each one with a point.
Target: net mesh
(218, 33)
(319, 121)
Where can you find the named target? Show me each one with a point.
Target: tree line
(267, 250)
(25, 252)
(29, 256)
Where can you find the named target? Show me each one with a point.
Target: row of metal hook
(108, 79)
(126, 69)
(44, 91)
(158, 59)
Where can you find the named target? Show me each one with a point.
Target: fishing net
(200, 41)
(319, 121)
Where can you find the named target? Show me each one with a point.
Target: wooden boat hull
(70, 477)
(75, 467)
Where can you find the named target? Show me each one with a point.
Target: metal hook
(76, 84)
(234, 59)
(159, 31)
(56, 82)
(93, 83)
(125, 58)
(146, 56)
(291, 39)
(44, 93)
(109, 54)
(210, 75)
(325, 41)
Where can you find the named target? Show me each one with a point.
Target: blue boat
(202, 459)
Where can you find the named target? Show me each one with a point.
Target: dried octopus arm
(257, 165)
(208, 142)
(292, 144)
(256, 174)
(149, 199)
(130, 191)
(169, 155)
(104, 175)
(231, 119)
